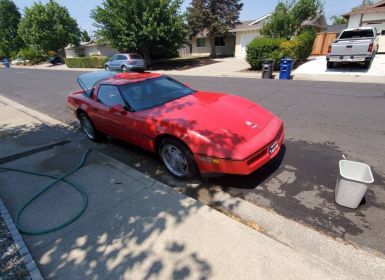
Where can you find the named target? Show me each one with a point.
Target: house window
(219, 41)
(201, 42)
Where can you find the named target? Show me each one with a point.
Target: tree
(9, 20)
(288, 17)
(217, 16)
(339, 20)
(84, 37)
(49, 27)
(149, 27)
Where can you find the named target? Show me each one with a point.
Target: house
(235, 41)
(245, 32)
(232, 43)
(88, 49)
(372, 15)
(224, 44)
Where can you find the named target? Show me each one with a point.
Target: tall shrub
(263, 48)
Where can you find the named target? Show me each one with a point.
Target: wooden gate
(322, 42)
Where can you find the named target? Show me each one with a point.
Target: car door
(122, 60)
(116, 124)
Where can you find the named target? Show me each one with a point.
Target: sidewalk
(138, 228)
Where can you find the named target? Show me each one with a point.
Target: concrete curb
(26, 257)
(32, 113)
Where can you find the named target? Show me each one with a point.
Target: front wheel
(89, 128)
(124, 68)
(178, 159)
(107, 68)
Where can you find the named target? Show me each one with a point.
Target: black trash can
(267, 68)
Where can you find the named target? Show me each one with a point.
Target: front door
(115, 124)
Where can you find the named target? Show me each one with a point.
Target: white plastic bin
(352, 183)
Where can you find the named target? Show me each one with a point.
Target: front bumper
(209, 165)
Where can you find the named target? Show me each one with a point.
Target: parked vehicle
(126, 62)
(354, 45)
(194, 132)
(19, 61)
(55, 60)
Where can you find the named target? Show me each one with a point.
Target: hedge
(262, 48)
(86, 62)
(298, 49)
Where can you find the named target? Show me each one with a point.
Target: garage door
(245, 40)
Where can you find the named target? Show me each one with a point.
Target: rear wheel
(178, 159)
(330, 65)
(367, 64)
(89, 128)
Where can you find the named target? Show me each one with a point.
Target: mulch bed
(11, 264)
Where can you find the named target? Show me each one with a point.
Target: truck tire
(367, 64)
(330, 65)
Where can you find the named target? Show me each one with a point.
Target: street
(323, 122)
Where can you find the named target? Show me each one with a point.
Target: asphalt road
(323, 121)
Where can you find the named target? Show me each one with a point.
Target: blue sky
(252, 9)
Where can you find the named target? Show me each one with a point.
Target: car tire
(178, 159)
(330, 65)
(367, 65)
(88, 128)
(107, 68)
(124, 68)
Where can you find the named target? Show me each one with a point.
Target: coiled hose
(57, 179)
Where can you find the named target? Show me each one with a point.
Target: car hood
(224, 120)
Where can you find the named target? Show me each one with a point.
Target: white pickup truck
(353, 45)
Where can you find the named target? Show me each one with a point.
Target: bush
(34, 55)
(262, 48)
(86, 62)
(298, 49)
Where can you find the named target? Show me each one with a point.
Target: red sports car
(192, 131)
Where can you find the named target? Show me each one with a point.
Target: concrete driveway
(317, 66)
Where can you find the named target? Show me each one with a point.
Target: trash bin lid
(356, 171)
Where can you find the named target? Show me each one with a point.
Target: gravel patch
(11, 263)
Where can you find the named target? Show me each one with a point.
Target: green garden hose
(57, 179)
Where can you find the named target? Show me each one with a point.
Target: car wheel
(178, 159)
(107, 68)
(367, 64)
(124, 68)
(89, 128)
(330, 65)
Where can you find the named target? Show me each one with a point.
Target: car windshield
(153, 92)
(87, 81)
(353, 34)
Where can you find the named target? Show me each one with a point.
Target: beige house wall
(226, 50)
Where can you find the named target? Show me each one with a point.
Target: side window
(110, 96)
(114, 57)
(122, 57)
(201, 42)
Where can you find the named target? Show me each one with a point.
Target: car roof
(360, 28)
(129, 77)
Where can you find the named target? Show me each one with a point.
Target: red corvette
(192, 131)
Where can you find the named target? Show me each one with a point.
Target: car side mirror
(118, 108)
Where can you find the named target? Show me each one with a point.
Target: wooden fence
(322, 42)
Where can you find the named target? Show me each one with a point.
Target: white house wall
(238, 46)
(354, 21)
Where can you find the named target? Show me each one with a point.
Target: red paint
(232, 130)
